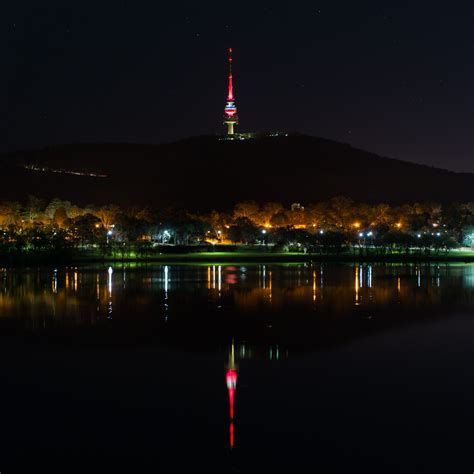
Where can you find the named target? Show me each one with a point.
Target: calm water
(325, 368)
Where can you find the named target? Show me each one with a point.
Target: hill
(207, 172)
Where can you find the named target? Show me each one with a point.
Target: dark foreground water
(265, 368)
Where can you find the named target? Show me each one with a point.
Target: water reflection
(245, 321)
(240, 351)
(255, 296)
(231, 381)
(110, 273)
(166, 284)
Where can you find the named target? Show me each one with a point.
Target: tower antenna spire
(230, 95)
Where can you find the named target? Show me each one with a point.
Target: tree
(280, 219)
(269, 210)
(297, 215)
(33, 209)
(129, 229)
(9, 214)
(107, 215)
(247, 209)
(331, 241)
(341, 213)
(60, 217)
(244, 231)
(87, 229)
(54, 205)
(398, 240)
(457, 217)
(189, 230)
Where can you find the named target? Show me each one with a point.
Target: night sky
(397, 80)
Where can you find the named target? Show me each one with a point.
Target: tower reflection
(231, 381)
(110, 273)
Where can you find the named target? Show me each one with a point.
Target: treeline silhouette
(58, 227)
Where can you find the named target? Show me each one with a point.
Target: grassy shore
(287, 257)
(241, 256)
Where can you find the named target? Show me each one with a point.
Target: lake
(237, 368)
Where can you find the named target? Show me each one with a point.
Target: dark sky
(397, 80)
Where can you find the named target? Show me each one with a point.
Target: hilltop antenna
(230, 112)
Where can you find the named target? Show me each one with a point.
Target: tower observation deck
(230, 112)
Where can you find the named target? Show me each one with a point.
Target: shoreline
(241, 257)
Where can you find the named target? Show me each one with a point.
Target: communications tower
(230, 112)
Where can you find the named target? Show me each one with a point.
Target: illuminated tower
(231, 381)
(230, 112)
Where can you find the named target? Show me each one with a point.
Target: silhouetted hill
(206, 172)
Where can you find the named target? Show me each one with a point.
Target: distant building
(296, 206)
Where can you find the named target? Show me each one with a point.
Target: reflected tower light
(270, 286)
(231, 382)
(110, 272)
(314, 286)
(357, 285)
(166, 285)
(55, 281)
(167, 278)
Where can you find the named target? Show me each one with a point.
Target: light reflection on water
(270, 316)
(66, 295)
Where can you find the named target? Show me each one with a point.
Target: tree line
(36, 225)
